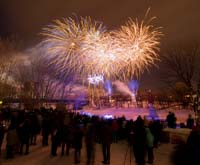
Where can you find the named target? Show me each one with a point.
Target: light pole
(197, 105)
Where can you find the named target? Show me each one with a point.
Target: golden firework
(85, 47)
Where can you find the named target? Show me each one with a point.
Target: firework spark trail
(86, 48)
(101, 56)
(139, 45)
(63, 42)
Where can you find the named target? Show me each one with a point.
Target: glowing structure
(133, 86)
(95, 89)
(84, 47)
(108, 88)
(96, 79)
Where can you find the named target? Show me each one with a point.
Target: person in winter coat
(2, 132)
(190, 122)
(24, 136)
(139, 141)
(150, 145)
(12, 140)
(34, 128)
(78, 136)
(55, 140)
(106, 140)
(115, 128)
(66, 139)
(90, 143)
(46, 130)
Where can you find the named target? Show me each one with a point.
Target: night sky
(179, 19)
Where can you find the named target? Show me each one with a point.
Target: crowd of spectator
(68, 130)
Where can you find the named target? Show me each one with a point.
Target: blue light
(133, 86)
(86, 113)
(108, 116)
(108, 86)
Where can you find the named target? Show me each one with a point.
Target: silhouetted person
(24, 136)
(45, 130)
(188, 153)
(190, 122)
(12, 141)
(106, 140)
(90, 143)
(55, 140)
(156, 129)
(150, 145)
(78, 136)
(70, 137)
(2, 132)
(67, 138)
(115, 128)
(34, 128)
(139, 141)
(171, 120)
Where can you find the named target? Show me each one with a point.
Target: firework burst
(139, 43)
(64, 43)
(86, 48)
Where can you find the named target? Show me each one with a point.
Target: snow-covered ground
(41, 156)
(132, 113)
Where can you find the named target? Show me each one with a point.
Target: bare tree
(9, 52)
(37, 81)
(181, 64)
(32, 77)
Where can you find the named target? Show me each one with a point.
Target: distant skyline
(179, 19)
